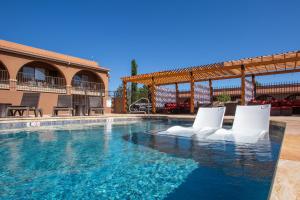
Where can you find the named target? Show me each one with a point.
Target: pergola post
(153, 96)
(192, 106)
(124, 99)
(254, 86)
(243, 85)
(211, 91)
(177, 92)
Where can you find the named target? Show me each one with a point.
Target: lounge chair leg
(41, 112)
(35, 113)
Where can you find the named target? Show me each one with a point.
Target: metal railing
(84, 87)
(4, 79)
(140, 107)
(28, 82)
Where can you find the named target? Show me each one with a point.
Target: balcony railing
(88, 88)
(4, 79)
(48, 84)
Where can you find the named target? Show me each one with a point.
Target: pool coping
(286, 182)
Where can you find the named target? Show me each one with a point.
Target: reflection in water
(14, 155)
(253, 160)
(47, 136)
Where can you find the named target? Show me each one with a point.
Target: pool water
(125, 162)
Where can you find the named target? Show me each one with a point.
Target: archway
(4, 74)
(88, 81)
(41, 74)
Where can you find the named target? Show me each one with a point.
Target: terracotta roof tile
(11, 46)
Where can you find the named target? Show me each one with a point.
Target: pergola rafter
(288, 62)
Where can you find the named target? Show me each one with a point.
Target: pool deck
(286, 184)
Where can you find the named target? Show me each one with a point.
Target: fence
(280, 90)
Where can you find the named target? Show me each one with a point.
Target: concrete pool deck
(286, 183)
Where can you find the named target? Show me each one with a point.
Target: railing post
(124, 99)
(192, 105)
(243, 85)
(211, 91)
(153, 96)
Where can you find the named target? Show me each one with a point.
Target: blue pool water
(124, 162)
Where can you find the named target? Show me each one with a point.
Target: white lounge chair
(251, 123)
(206, 122)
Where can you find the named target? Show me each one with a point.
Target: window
(28, 71)
(85, 78)
(40, 74)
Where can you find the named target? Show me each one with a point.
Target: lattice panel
(202, 94)
(248, 90)
(164, 95)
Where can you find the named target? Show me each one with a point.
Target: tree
(143, 92)
(134, 88)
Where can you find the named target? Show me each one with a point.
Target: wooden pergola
(288, 62)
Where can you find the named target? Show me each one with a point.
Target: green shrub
(223, 98)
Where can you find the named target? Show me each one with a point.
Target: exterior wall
(14, 62)
(47, 100)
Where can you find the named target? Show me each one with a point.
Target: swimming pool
(124, 162)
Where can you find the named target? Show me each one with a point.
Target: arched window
(4, 75)
(87, 81)
(40, 74)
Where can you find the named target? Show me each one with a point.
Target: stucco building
(29, 69)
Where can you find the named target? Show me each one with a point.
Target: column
(192, 105)
(124, 99)
(153, 96)
(13, 84)
(68, 89)
(243, 85)
(211, 91)
(254, 86)
(177, 92)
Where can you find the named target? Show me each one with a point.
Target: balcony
(27, 82)
(87, 88)
(4, 79)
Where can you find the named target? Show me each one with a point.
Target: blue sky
(160, 35)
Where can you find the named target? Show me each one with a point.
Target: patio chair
(251, 123)
(95, 104)
(64, 103)
(29, 102)
(207, 121)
